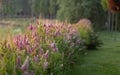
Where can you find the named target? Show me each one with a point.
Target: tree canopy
(70, 10)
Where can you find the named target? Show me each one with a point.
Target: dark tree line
(70, 10)
(74, 10)
(15, 7)
(45, 8)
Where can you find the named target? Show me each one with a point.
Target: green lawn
(104, 61)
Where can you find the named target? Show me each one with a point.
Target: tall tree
(44, 8)
(74, 10)
(53, 6)
(8, 7)
(36, 7)
(69, 10)
(41, 7)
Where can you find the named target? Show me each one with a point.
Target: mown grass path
(104, 61)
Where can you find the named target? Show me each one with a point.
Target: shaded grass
(104, 61)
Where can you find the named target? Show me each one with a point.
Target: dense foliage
(104, 4)
(44, 49)
(70, 10)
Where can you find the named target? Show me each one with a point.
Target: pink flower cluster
(39, 45)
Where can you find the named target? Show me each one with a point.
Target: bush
(94, 41)
(42, 49)
(91, 38)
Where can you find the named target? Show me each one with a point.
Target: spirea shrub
(44, 49)
(41, 50)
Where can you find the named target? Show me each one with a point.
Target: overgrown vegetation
(44, 49)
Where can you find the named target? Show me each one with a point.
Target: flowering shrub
(41, 50)
(92, 40)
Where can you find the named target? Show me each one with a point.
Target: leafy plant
(43, 49)
(94, 41)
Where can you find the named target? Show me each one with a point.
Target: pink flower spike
(55, 49)
(20, 45)
(31, 27)
(36, 59)
(41, 51)
(32, 73)
(8, 45)
(18, 60)
(35, 46)
(46, 54)
(15, 41)
(37, 22)
(29, 50)
(34, 34)
(25, 39)
(19, 37)
(53, 45)
(45, 25)
(25, 65)
(45, 65)
(57, 33)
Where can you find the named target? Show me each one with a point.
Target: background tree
(36, 7)
(93, 11)
(73, 11)
(69, 10)
(8, 7)
(44, 8)
(53, 6)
